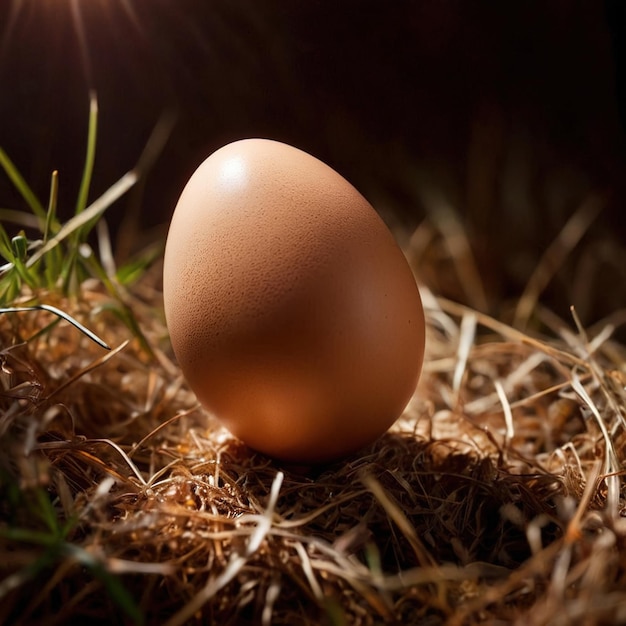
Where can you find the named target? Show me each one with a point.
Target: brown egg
(292, 312)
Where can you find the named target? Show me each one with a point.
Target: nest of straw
(496, 497)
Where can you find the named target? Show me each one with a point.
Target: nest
(497, 496)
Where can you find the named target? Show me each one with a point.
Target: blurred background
(492, 121)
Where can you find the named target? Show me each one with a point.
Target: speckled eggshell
(292, 312)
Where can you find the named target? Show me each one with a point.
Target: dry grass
(497, 497)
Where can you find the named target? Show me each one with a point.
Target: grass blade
(51, 221)
(21, 218)
(99, 206)
(90, 157)
(58, 313)
(22, 186)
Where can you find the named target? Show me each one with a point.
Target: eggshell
(292, 312)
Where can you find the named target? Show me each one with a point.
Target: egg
(292, 312)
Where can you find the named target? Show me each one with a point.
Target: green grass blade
(9, 287)
(62, 314)
(52, 225)
(9, 281)
(6, 250)
(99, 206)
(54, 259)
(26, 535)
(136, 268)
(90, 157)
(119, 594)
(21, 185)
(18, 271)
(19, 243)
(124, 313)
(19, 246)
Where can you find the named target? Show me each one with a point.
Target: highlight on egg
(292, 312)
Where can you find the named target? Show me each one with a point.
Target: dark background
(506, 111)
